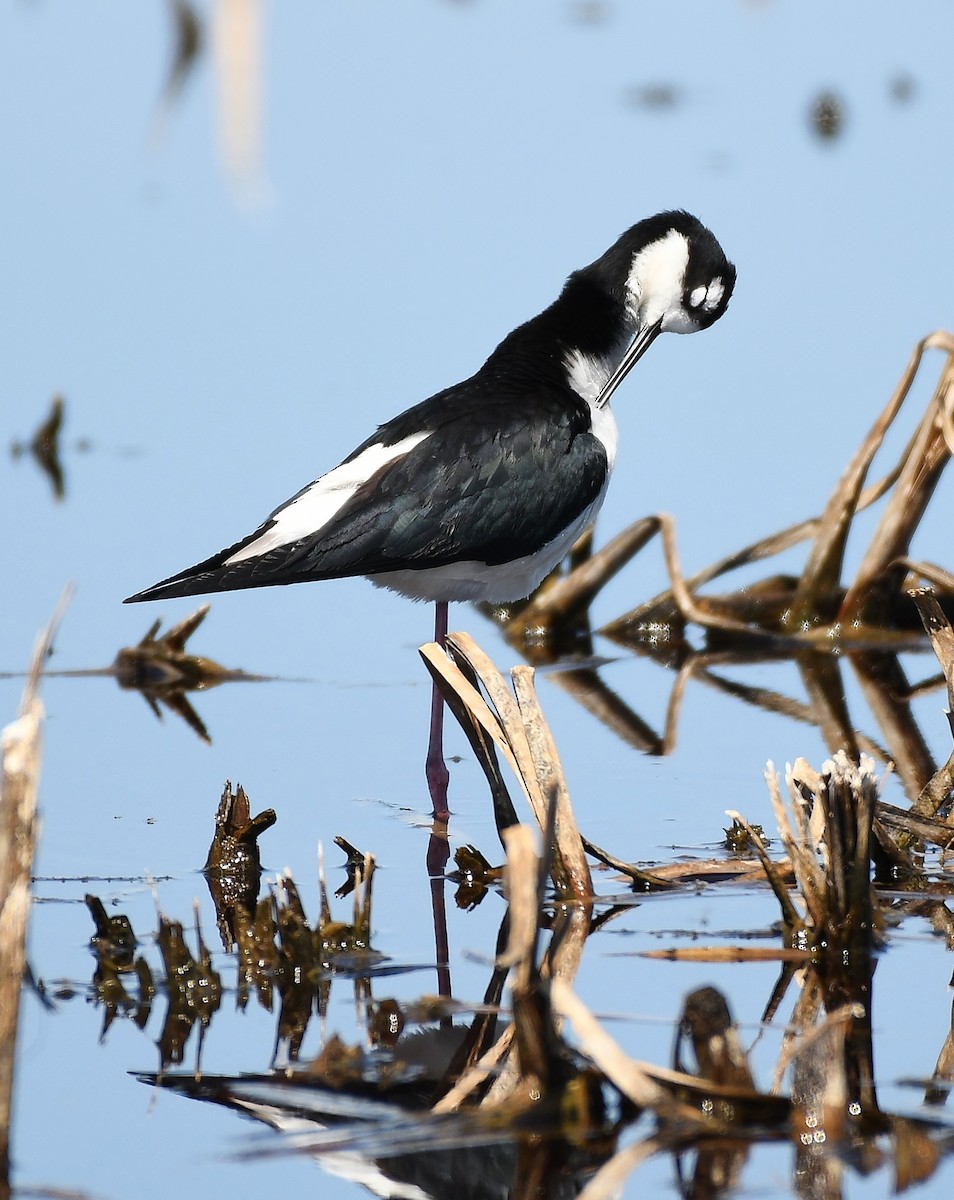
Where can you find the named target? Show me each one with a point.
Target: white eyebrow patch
(714, 294)
(655, 279)
(315, 506)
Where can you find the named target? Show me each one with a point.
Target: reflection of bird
(388, 1144)
(478, 492)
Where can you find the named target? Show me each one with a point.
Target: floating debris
(114, 945)
(354, 866)
(590, 12)
(193, 989)
(161, 670)
(188, 41)
(657, 97)
(902, 88)
(44, 447)
(827, 115)
(738, 838)
(233, 867)
(474, 876)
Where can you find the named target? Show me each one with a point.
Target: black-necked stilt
(478, 492)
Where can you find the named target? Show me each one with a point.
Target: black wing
(497, 479)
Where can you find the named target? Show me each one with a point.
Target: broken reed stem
(516, 725)
(831, 854)
(809, 1036)
(20, 760)
(936, 793)
(609, 1180)
(521, 883)
(520, 1057)
(453, 683)
(520, 889)
(546, 759)
(822, 571)
(20, 748)
(512, 730)
(472, 1079)
(925, 459)
(625, 1073)
(767, 547)
(362, 900)
(536, 1025)
(800, 844)
(704, 612)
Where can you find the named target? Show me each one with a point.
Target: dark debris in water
(827, 115)
(654, 97)
(354, 866)
(44, 447)
(278, 952)
(233, 867)
(474, 876)
(738, 838)
(188, 39)
(162, 671)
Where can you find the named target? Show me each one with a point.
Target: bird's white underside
(478, 581)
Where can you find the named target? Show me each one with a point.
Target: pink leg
(438, 847)
(435, 768)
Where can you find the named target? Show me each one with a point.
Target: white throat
(587, 375)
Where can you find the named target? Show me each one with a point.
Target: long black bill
(638, 347)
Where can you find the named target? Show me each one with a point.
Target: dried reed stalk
(921, 468)
(881, 573)
(20, 759)
(562, 598)
(519, 1060)
(936, 793)
(516, 725)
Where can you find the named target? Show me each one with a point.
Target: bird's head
(671, 275)
(676, 273)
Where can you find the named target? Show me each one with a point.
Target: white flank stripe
(315, 507)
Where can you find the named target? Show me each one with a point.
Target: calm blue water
(429, 175)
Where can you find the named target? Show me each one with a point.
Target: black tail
(217, 574)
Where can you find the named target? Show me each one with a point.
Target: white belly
(478, 581)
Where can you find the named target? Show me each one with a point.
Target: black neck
(585, 317)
